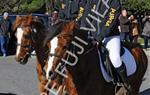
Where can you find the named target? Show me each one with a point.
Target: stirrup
(119, 85)
(127, 87)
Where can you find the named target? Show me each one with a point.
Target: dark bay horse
(76, 56)
(30, 34)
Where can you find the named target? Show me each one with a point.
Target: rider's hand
(131, 17)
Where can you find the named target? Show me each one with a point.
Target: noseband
(65, 47)
(52, 74)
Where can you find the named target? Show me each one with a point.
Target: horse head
(25, 28)
(60, 36)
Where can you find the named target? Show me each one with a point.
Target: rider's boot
(123, 75)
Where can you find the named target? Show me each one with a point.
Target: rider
(107, 32)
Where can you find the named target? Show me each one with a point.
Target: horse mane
(59, 28)
(38, 19)
(38, 23)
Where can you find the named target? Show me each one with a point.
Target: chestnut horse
(30, 34)
(77, 60)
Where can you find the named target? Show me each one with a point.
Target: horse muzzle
(22, 60)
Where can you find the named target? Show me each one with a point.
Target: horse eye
(34, 30)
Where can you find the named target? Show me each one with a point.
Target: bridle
(64, 47)
(30, 46)
(52, 74)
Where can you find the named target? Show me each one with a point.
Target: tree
(7, 5)
(31, 6)
(146, 5)
(137, 5)
(22, 6)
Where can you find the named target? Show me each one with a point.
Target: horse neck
(41, 50)
(87, 74)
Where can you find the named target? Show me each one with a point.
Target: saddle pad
(127, 59)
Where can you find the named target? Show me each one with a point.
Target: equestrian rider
(107, 31)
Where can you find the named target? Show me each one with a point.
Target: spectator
(146, 30)
(124, 25)
(5, 29)
(54, 18)
(134, 31)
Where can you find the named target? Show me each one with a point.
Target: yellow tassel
(63, 6)
(80, 13)
(94, 6)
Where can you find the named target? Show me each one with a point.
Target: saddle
(107, 65)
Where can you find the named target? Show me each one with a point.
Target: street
(17, 79)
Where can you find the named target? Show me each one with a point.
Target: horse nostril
(17, 59)
(21, 59)
(52, 75)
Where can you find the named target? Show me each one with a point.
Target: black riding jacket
(107, 13)
(103, 15)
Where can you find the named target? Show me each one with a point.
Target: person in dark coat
(125, 25)
(102, 19)
(146, 30)
(5, 29)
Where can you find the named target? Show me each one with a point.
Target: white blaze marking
(53, 43)
(19, 38)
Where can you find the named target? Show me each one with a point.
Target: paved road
(16, 79)
(145, 88)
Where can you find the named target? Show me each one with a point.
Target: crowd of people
(129, 29)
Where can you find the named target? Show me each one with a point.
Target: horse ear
(18, 17)
(16, 23)
(29, 19)
(30, 16)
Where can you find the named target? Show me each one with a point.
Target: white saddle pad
(129, 62)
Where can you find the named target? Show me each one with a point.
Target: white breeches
(113, 46)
